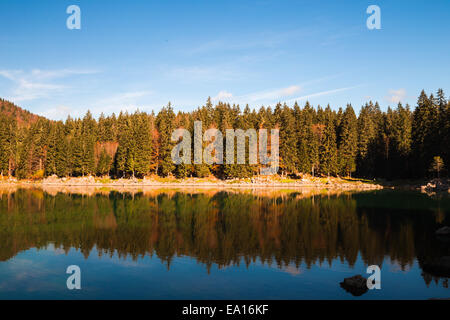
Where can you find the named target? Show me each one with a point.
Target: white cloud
(59, 113)
(396, 96)
(125, 101)
(223, 96)
(319, 94)
(260, 96)
(265, 40)
(272, 95)
(290, 90)
(37, 83)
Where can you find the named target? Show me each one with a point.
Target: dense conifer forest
(393, 144)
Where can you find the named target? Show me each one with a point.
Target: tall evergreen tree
(165, 125)
(328, 149)
(348, 142)
(425, 118)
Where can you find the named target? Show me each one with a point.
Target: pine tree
(23, 160)
(288, 150)
(89, 135)
(443, 125)
(348, 142)
(307, 140)
(7, 142)
(142, 136)
(328, 149)
(56, 160)
(123, 137)
(104, 163)
(368, 130)
(76, 151)
(401, 143)
(165, 125)
(424, 140)
(437, 165)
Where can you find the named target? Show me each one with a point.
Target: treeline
(396, 143)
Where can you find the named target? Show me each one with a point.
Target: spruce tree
(143, 144)
(424, 139)
(165, 125)
(89, 135)
(348, 142)
(288, 150)
(104, 163)
(328, 149)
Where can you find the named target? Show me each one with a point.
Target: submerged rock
(444, 231)
(356, 285)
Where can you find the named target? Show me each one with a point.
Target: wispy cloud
(60, 112)
(223, 96)
(396, 96)
(335, 37)
(261, 96)
(280, 94)
(272, 95)
(256, 40)
(321, 93)
(37, 83)
(125, 101)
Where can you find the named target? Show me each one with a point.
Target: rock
(52, 179)
(444, 231)
(356, 285)
(438, 185)
(439, 267)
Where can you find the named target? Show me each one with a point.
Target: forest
(399, 143)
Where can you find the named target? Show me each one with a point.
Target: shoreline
(268, 183)
(329, 183)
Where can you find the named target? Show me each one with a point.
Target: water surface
(168, 244)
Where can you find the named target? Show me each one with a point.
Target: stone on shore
(436, 185)
(444, 231)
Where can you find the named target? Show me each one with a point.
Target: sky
(141, 54)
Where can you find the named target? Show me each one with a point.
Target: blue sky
(143, 54)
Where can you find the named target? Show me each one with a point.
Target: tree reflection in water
(281, 228)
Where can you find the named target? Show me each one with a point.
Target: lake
(216, 244)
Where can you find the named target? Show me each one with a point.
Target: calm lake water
(220, 244)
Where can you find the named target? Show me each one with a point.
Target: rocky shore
(436, 185)
(257, 182)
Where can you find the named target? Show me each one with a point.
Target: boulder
(356, 285)
(444, 231)
(52, 179)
